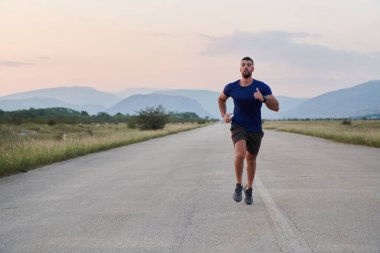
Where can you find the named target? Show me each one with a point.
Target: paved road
(174, 194)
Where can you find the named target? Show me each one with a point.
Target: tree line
(148, 118)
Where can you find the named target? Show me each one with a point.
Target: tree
(132, 122)
(152, 118)
(103, 117)
(84, 113)
(119, 117)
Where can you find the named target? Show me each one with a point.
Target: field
(27, 146)
(361, 132)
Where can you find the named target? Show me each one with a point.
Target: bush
(346, 122)
(132, 122)
(152, 118)
(52, 122)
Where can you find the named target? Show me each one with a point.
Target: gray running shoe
(238, 192)
(248, 195)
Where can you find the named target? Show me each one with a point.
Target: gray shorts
(252, 140)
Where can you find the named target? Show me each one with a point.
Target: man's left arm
(269, 100)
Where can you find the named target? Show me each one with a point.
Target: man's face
(246, 68)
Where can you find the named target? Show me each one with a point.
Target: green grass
(29, 146)
(361, 132)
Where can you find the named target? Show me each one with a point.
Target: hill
(286, 104)
(357, 101)
(135, 103)
(70, 95)
(206, 98)
(42, 103)
(134, 91)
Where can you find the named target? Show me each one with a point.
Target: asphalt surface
(174, 194)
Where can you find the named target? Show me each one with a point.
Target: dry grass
(361, 132)
(29, 146)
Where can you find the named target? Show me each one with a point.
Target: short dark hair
(247, 58)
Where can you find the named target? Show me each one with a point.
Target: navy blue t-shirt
(247, 110)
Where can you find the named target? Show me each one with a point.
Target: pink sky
(301, 49)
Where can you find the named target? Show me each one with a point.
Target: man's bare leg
(251, 168)
(240, 153)
(240, 150)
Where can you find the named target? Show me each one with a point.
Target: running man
(248, 95)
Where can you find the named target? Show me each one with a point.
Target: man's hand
(227, 117)
(258, 95)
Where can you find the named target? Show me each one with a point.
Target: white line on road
(290, 240)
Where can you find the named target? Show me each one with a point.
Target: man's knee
(240, 150)
(250, 157)
(239, 156)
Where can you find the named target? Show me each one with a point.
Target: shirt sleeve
(265, 90)
(227, 90)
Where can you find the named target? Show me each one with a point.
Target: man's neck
(246, 81)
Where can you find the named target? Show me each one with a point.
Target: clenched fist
(227, 117)
(258, 95)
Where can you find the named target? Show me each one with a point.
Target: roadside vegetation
(61, 134)
(361, 132)
(53, 116)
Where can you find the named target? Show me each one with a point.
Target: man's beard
(247, 74)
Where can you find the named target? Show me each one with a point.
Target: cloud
(285, 47)
(14, 63)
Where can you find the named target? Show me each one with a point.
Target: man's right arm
(223, 108)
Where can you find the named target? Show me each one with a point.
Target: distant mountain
(206, 98)
(71, 95)
(134, 91)
(135, 103)
(41, 103)
(286, 104)
(356, 101)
